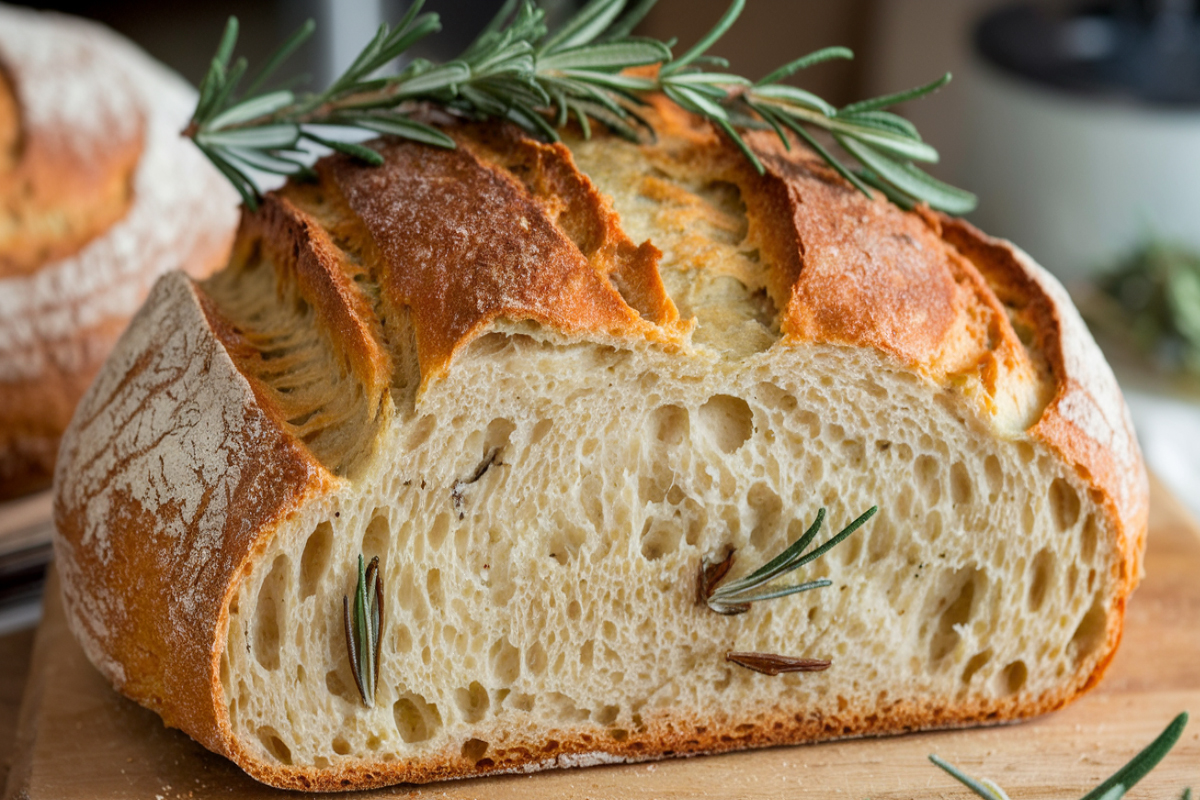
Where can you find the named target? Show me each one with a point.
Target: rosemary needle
(520, 71)
(736, 596)
(1113, 788)
(364, 623)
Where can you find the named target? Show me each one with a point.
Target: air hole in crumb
(337, 685)
(268, 613)
(566, 540)
(416, 719)
(655, 482)
(274, 745)
(341, 746)
(659, 538)
(420, 432)
(437, 531)
(402, 640)
(1042, 579)
(540, 430)
(882, 539)
(669, 424)
(473, 702)
(728, 421)
(976, 663)
(606, 715)
(474, 749)
(767, 508)
(772, 396)
(809, 420)
(591, 498)
(563, 708)
(489, 345)
(928, 475)
(499, 433)
(994, 475)
(1090, 633)
(505, 660)
(1013, 677)
(433, 588)
(378, 537)
(315, 558)
(934, 526)
(955, 609)
(535, 658)
(960, 484)
(1064, 503)
(1090, 538)
(850, 550)
(587, 654)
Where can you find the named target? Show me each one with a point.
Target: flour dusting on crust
(171, 431)
(86, 87)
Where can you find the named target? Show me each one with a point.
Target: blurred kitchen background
(1076, 123)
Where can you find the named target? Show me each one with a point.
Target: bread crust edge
(199, 708)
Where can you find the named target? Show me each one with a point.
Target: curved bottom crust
(664, 736)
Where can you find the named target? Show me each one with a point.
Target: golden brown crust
(296, 243)
(87, 218)
(1086, 421)
(170, 539)
(54, 198)
(464, 245)
(504, 228)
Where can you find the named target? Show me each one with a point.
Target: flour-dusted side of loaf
(543, 384)
(99, 196)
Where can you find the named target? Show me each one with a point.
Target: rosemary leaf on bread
(592, 69)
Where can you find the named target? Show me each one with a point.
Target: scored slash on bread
(464, 364)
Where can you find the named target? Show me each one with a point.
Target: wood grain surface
(79, 739)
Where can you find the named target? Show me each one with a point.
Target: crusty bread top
(453, 237)
(185, 456)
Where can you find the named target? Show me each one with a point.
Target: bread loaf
(98, 197)
(545, 385)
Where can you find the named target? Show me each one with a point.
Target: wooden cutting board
(79, 739)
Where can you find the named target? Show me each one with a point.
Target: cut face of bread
(540, 549)
(544, 430)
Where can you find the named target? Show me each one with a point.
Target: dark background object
(1138, 50)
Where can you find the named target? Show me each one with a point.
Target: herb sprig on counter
(1113, 788)
(519, 70)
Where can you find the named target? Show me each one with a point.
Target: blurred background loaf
(98, 196)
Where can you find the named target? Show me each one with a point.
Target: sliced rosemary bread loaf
(568, 397)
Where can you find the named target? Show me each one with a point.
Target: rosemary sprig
(518, 70)
(772, 664)
(363, 627)
(1114, 788)
(735, 597)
